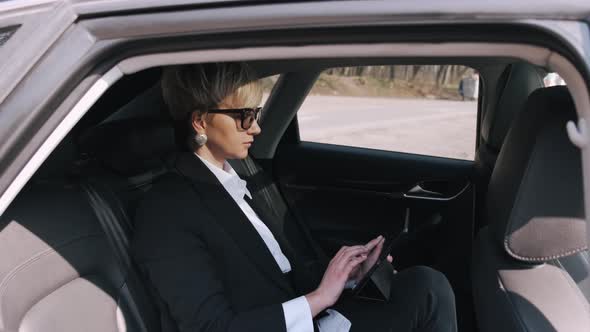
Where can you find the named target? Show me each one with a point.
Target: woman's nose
(255, 128)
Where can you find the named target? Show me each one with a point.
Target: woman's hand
(374, 248)
(336, 275)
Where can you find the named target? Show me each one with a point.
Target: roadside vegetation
(429, 82)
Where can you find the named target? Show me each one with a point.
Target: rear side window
(6, 33)
(427, 110)
(553, 79)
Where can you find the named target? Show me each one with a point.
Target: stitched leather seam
(35, 258)
(541, 258)
(513, 253)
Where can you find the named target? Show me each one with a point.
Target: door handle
(418, 192)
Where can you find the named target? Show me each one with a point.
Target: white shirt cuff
(298, 315)
(334, 322)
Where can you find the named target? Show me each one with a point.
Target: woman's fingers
(371, 244)
(350, 255)
(338, 254)
(389, 258)
(344, 251)
(379, 246)
(354, 262)
(353, 251)
(375, 251)
(347, 251)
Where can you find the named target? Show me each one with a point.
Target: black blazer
(206, 264)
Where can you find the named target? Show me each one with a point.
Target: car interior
(507, 228)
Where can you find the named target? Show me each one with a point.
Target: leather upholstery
(545, 238)
(515, 297)
(538, 173)
(535, 213)
(520, 80)
(131, 146)
(512, 90)
(58, 272)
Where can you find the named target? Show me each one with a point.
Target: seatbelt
(252, 168)
(119, 242)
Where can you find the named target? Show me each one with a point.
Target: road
(431, 127)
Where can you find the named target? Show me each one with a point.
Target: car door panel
(349, 195)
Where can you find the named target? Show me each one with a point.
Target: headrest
(535, 197)
(149, 103)
(520, 80)
(130, 146)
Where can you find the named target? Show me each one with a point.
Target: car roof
(565, 9)
(35, 25)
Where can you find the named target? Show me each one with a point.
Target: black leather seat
(530, 267)
(513, 88)
(130, 154)
(59, 269)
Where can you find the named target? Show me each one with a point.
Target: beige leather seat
(530, 264)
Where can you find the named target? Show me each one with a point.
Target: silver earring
(201, 139)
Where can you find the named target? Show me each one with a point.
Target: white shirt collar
(229, 179)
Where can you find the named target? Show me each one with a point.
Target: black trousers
(421, 300)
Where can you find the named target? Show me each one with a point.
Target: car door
(353, 166)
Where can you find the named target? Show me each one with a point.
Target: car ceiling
(449, 8)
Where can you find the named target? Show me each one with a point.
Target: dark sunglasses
(247, 115)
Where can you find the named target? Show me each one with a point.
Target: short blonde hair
(201, 87)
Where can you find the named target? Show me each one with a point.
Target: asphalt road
(431, 127)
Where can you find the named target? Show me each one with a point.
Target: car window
(553, 79)
(428, 110)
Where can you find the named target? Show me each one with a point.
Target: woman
(215, 259)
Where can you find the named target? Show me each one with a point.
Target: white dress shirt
(297, 311)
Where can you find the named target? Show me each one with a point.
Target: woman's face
(226, 139)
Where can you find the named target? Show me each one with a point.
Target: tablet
(388, 246)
